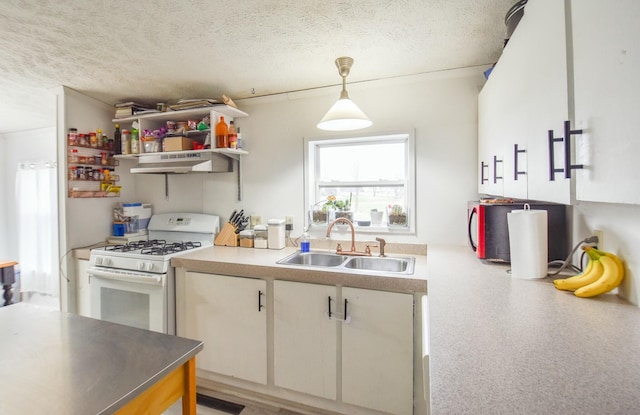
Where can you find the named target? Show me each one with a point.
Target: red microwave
(489, 234)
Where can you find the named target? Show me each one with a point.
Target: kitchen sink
(386, 264)
(361, 264)
(314, 259)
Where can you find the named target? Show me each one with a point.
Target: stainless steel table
(59, 363)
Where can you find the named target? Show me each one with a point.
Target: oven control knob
(106, 261)
(141, 265)
(149, 266)
(98, 260)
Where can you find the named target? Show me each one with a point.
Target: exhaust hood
(184, 162)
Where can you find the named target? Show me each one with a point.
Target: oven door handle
(137, 278)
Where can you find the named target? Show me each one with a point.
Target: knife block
(227, 236)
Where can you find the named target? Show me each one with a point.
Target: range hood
(184, 162)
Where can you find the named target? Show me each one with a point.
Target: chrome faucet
(353, 239)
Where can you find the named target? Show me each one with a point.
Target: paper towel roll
(528, 243)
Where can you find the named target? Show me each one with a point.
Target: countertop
(59, 363)
(261, 263)
(501, 345)
(498, 345)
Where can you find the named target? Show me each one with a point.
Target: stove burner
(164, 249)
(135, 245)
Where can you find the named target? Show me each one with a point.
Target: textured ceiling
(156, 51)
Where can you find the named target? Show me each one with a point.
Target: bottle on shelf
(239, 140)
(222, 132)
(117, 140)
(232, 137)
(135, 141)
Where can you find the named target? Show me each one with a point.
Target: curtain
(37, 212)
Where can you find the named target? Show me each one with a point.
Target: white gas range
(134, 284)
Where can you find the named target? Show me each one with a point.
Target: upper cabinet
(525, 97)
(530, 137)
(606, 56)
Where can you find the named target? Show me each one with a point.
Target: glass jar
(93, 140)
(72, 137)
(126, 142)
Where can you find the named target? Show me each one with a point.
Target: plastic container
(261, 238)
(247, 237)
(276, 233)
(305, 243)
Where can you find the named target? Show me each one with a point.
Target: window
(364, 174)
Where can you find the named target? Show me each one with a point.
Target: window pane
(362, 162)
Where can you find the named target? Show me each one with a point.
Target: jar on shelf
(126, 142)
(73, 155)
(93, 139)
(72, 136)
(82, 140)
(73, 173)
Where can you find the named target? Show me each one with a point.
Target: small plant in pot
(397, 216)
(320, 214)
(343, 208)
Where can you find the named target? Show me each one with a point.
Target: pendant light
(344, 115)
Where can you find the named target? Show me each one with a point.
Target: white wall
(19, 147)
(441, 107)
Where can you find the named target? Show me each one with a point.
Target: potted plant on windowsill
(320, 212)
(397, 216)
(343, 208)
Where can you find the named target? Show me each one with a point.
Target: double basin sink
(384, 265)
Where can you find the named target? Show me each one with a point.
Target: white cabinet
(606, 56)
(377, 350)
(525, 97)
(582, 68)
(305, 338)
(229, 314)
(83, 296)
(370, 353)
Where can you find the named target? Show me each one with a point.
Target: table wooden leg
(189, 396)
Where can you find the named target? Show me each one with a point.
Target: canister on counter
(247, 237)
(276, 234)
(260, 240)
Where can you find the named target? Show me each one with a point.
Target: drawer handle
(260, 306)
(329, 301)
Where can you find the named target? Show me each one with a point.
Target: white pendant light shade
(344, 115)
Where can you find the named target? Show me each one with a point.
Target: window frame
(311, 184)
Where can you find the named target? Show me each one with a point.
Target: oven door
(132, 298)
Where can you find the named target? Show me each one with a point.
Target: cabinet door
(83, 296)
(526, 96)
(377, 350)
(606, 67)
(305, 338)
(490, 138)
(540, 51)
(223, 312)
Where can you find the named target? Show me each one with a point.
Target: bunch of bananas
(603, 273)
